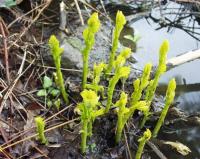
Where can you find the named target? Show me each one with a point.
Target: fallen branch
(181, 59)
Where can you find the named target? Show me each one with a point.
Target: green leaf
(54, 92)
(49, 103)
(57, 103)
(42, 93)
(47, 82)
(7, 3)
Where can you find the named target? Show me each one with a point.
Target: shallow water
(187, 75)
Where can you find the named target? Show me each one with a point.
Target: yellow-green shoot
(89, 38)
(97, 71)
(124, 113)
(56, 52)
(40, 125)
(142, 141)
(168, 101)
(89, 111)
(121, 72)
(154, 83)
(141, 84)
(120, 22)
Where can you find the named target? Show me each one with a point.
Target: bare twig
(5, 51)
(35, 135)
(44, 6)
(79, 12)
(11, 87)
(156, 150)
(127, 145)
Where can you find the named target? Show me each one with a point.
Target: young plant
(124, 113)
(89, 38)
(121, 72)
(120, 22)
(168, 101)
(40, 125)
(142, 141)
(56, 52)
(154, 83)
(49, 92)
(141, 84)
(97, 71)
(89, 111)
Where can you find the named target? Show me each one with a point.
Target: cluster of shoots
(89, 110)
(124, 113)
(56, 52)
(154, 82)
(121, 72)
(141, 98)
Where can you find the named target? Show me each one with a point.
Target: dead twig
(127, 145)
(5, 50)
(44, 6)
(79, 12)
(12, 85)
(156, 150)
(35, 135)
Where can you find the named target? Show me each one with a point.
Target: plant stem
(90, 128)
(111, 88)
(112, 53)
(168, 101)
(120, 126)
(84, 136)
(139, 150)
(62, 86)
(146, 136)
(145, 118)
(85, 67)
(149, 98)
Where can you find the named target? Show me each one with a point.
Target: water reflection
(153, 31)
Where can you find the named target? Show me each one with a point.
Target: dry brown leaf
(181, 148)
